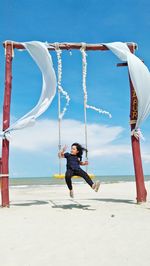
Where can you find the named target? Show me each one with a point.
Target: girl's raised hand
(64, 148)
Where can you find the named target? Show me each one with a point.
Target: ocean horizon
(22, 181)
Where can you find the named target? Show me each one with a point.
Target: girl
(74, 160)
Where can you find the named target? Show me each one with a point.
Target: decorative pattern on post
(6, 122)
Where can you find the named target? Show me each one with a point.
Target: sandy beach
(44, 227)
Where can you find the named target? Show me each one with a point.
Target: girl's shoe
(97, 185)
(71, 194)
(94, 186)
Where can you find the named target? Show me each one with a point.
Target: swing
(60, 115)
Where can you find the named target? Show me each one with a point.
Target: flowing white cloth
(139, 74)
(41, 56)
(140, 77)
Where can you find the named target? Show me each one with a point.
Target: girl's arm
(84, 163)
(61, 153)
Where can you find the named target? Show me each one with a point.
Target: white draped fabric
(140, 77)
(139, 74)
(41, 56)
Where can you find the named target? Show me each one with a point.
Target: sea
(52, 181)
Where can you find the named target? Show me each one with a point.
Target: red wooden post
(139, 176)
(6, 123)
(0, 169)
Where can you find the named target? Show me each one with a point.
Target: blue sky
(33, 151)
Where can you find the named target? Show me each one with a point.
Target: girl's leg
(68, 175)
(86, 177)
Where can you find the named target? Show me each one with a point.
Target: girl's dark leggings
(79, 172)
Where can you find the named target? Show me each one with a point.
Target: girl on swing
(74, 160)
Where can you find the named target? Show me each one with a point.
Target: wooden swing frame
(4, 161)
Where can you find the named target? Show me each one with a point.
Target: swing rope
(84, 74)
(86, 105)
(65, 94)
(60, 88)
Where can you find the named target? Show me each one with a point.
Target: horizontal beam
(71, 46)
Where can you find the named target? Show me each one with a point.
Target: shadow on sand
(30, 203)
(73, 205)
(113, 200)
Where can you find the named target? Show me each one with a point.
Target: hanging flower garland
(84, 73)
(60, 89)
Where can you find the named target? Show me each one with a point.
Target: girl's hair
(80, 150)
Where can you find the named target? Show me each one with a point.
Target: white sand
(44, 227)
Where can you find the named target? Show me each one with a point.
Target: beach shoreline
(61, 181)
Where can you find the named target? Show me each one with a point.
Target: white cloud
(105, 142)
(109, 150)
(146, 157)
(44, 136)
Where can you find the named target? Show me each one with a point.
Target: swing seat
(75, 176)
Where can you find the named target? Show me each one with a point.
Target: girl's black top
(73, 161)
